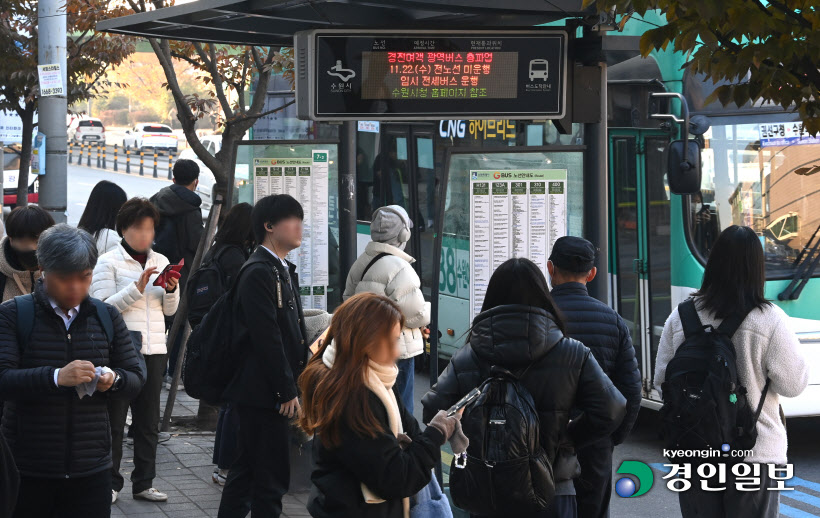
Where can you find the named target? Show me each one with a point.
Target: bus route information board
(513, 213)
(306, 179)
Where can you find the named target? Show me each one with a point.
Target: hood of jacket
(514, 335)
(375, 248)
(176, 199)
(5, 266)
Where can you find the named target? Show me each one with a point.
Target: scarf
(380, 380)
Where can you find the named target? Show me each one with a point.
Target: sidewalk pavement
(184, 467)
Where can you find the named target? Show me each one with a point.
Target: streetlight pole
(52, 109)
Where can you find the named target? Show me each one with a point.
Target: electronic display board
(416, 75)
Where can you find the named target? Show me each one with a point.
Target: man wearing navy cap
(571, 266)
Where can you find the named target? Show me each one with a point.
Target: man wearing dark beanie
(571, 266)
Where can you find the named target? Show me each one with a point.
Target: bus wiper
(805, 248)
(805, 269)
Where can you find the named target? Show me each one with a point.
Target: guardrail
(118, 158)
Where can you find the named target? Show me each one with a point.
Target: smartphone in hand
(161, 278)
(466, 400)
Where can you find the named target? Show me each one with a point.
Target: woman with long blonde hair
(370, 454)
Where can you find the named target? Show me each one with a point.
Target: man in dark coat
(54, 345)
(271, 337)
(179, 231)
(180, 225)
(599, 327)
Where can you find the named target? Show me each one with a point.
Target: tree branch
(791, 14)
(210, 62)
(263, 114)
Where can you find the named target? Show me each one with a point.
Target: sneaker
(114, 495)
(164, 437)
(152, 495)
(220, 476)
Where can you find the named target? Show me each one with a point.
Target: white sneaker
(152, 495)
(220, 476)
(114, 495)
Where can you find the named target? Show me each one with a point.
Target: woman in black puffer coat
(518, 328)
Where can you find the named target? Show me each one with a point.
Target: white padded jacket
(766, 346)
(394, 277)
(114, 282)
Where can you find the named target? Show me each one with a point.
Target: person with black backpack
(179, 231)
(63, 356)
(531, 376)
(233, 244)
(730, 349)
(267, 352)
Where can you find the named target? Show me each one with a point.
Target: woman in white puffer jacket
(393, 276)
(124, 278)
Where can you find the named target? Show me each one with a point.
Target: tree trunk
(27, 118)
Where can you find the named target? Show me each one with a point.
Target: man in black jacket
(271, 337)
(180, 224)
(599, 327)
(180, 229)
(53, 345)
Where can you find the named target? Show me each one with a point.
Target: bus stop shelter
(275, 22)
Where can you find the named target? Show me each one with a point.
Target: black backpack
(211, 355)
(505, 471)
(167, 240)
(704, 404)
(204, 288)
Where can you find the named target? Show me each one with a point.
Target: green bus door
(640, 232)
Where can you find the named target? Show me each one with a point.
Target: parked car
(88, 129)
(153, 136)
(212, 143)
(10, 188)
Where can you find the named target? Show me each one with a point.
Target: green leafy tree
(89, 56)
(765, 50)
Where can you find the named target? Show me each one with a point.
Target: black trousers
(731, 503)
(86, 497)
(144, 423)
(562, 506)
(260, 475)
(227, 433)
(594, 487)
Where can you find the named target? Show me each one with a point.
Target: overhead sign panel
(419, 75)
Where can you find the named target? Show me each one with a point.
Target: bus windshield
(765, 176)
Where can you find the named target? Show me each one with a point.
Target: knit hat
(391, 225)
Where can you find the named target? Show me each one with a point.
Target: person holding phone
(124, 278)
(369, 453)
(521, 329)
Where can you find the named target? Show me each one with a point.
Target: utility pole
(52, 109)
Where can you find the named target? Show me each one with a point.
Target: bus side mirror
(683, 169)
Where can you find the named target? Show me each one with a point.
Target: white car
(88, 129)
(10, 188)
(212, 143)
(154, 136)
